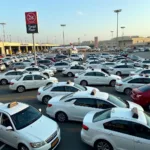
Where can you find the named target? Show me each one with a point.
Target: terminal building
(14, 48)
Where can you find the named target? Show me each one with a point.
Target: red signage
(31, 17)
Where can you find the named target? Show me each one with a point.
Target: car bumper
(119, 89)
(48, 146)
(12, 87)
(85, 138)
(39, 98)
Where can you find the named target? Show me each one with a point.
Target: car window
(100, 74)
(70, 89)
(59, 89)
(58, 64)
(80, 67)
(30, 69)
(120, 126)
(38, 77)
(145, 72)
(73, 67)
(141, 131)
(137, 80)
(28, 78)
(11, 73)
(5, 121)
(130, 66)
(90, 74)
(86, 102)
(36, 69)
(103, 104)
(146, 80)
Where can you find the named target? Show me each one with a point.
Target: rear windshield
(144, 88)
(127, 79)
(67, 96)
(138, 70)
(18, 78)
(47, 87)
(102, 115)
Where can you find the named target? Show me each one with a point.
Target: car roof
(87, 94)
(140, 76)
(127, 114)
(15, 109)
(92, 70)
(63, 84)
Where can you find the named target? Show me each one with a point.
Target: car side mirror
(9, 128)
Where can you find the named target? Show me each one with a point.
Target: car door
(100, 78)
(90, 77)
(81, 107)
(121, 134)
(28, 82)
(39, 81)
(73, 70)
(135, 83)
(11, 75)
(142, 137)
(58, 90)
(8, 137)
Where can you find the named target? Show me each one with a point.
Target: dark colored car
(60, 57)
(141, 96)
(45, 62)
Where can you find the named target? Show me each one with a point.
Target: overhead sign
(31, 22)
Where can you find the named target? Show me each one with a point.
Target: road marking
(2, 146)
(18, 98)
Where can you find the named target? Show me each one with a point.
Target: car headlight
(37, 144)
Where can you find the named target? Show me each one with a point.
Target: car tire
(70, 74)
(127, 91)
(61, 116)
(112, 83)
(118, 73)
(20, 89)
(4, 82)
(102, 145)
(83, 83)
(45, 99)
(80, 59)
(46, 75)
(22, 147)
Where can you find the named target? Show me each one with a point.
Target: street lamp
(63, 25)
(112, 35)
(3, 25)
(117, 11)
(122, 36)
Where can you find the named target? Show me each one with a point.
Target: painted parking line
(2, 146)
(17, 98)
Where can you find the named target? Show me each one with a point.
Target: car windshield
(18, 78)
(82, 88)
(138, 70)
(25, 117)
(147, 118)
(126, 79)
(118, 101)
(67, 96)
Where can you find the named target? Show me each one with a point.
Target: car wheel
(80, 59)
(4, 82)
(20, 89)
(23, 147)
(103, 145)
(69, 74)
(46, 75)
(112, 83)
(118, 73)
(45, 99)
(61, 117)
(84, 83)
(127, 91)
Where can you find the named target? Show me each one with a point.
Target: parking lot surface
(70, 131)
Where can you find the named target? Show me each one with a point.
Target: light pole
(112, 35)
(10, 38)
(122, 36)
(117, 11)
(63, 25)
(3, 25)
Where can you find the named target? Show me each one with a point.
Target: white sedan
(95, 77)
(76, 105)
(30, 81)
(61, 88)
(21, 126)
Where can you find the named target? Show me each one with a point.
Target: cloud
(80, 13)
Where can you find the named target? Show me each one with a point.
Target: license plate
(54, 142)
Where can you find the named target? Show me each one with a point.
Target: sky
(84, 19)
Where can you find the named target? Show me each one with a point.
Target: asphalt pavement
(70, 131)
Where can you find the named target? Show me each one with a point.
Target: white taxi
(76, 105)
(45, 93)
(30, 81)
(140, 71)
(95, 77)
(117, 129)
(21, 124)
(127, 84)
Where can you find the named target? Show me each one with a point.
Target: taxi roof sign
(135, 113)
(93, 92)
(12, 104)
(68, 82)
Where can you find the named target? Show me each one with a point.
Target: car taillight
(49, 105)
(75, 77)
(38, 93)
(85, 127)
(11, 83)
(118, 84)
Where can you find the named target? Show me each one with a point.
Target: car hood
(33, 131)
(89, 89)
(132, 105)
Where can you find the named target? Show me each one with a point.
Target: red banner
(31, 18)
